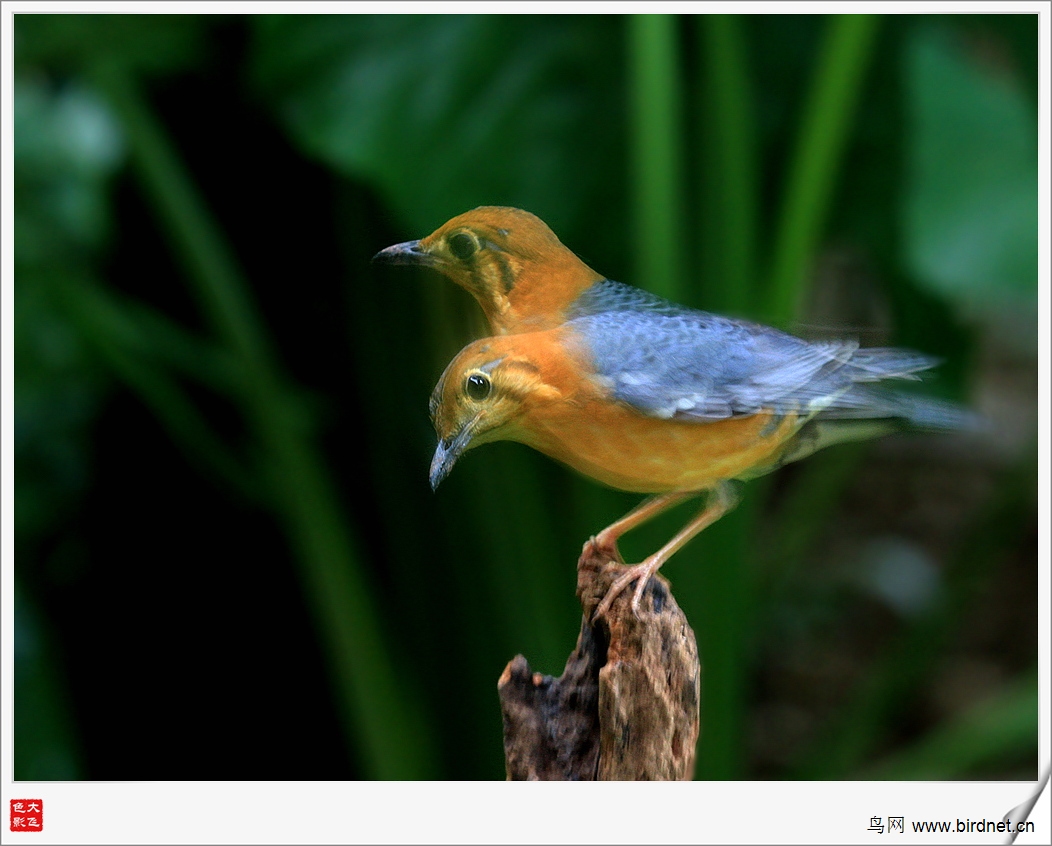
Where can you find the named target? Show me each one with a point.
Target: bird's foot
(642, 573)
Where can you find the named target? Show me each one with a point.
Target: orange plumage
(637, 392)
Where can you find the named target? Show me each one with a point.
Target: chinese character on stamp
(27, 815)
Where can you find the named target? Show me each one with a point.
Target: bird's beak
(449, 450)
(408, 252)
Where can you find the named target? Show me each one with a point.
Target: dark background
(229, 563)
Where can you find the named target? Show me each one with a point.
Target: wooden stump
(627, 704)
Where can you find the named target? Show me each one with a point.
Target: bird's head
(483, 396)
(499, 254)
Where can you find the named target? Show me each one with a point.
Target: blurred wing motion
(671, 362)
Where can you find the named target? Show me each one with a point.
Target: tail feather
(938, 415)
(870, 402)
(888, 363)
(896, 412)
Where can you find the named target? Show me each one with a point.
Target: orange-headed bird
(637, 392)
(509, 260)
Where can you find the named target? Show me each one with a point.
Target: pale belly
(626, 450)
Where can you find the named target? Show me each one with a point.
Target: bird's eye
(462, 246)
(477, 386)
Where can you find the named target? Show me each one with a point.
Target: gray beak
(441, 464)
(448, 451)
(408, 252)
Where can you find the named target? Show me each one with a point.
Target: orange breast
(627, 450)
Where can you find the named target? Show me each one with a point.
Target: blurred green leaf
(67, 146)
(448, 112)
(892, 684)
(44, 740)
(1000, 728)
(969, 211)
(152, 43)
(58, 391)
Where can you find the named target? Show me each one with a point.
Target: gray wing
(672, 362)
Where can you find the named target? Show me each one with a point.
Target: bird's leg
(606, 541)
(722, 500)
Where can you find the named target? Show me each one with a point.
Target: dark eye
(477, 386)
(462, 246)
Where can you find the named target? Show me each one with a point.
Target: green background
(229, 563)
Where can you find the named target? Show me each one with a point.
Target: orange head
(509, 260)
(491, 390)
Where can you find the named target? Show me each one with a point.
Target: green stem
(659, 196)
(820, 146)
(380, 716)
(111, 333)
(723, 629)
(141, 331)
(208, 261)
(729, 231)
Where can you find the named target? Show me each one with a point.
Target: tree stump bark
(627, 706)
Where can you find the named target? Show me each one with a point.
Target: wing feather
(671, 362)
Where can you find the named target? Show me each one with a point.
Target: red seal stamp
(27, 815)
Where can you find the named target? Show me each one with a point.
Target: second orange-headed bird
(642, 394)
(509, 260)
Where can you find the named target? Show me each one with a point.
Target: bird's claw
(642, 573)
